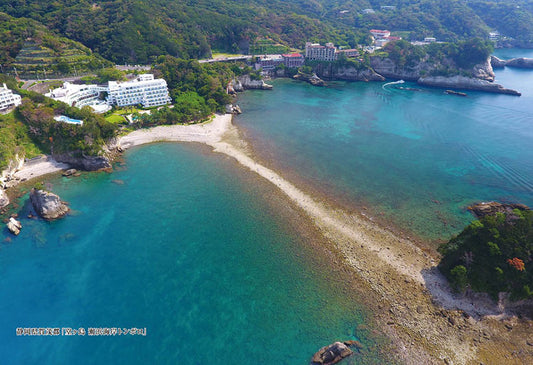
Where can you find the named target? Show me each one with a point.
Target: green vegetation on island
(493, 255)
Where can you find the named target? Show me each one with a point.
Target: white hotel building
(81, 95)
(144, 90)
(8, 99)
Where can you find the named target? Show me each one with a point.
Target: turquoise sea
(416, 157)
(185, 243)
(181, 242)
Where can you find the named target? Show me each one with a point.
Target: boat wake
(392, 83)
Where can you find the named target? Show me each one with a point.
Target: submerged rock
(48, 205)
(4, 200)
(14, 226)
(331, 354)
(491, 208)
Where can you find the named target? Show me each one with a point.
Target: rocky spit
(48, 205)
(520, 62)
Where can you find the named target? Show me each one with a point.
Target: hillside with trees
(493, 255)
(29, 49)
(138, 31)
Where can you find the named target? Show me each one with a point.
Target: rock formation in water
(331, 354)
(482, 209)
(47, 205)
(14, 226)
(520, 62)
(467, 83)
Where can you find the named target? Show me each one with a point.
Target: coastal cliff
(346, 72)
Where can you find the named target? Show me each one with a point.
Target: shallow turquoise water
(180, 243)
(416, 157)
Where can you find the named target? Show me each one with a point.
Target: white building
(144, 90)
(80, 96)
(316, 52)
(8, 99)
(379, 34)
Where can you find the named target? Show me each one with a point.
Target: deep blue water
(181, 243)
(416, 158)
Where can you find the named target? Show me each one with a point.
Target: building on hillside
(494, 36)
(81, 95)
(388, 7)
(379, 34)
(293, 60)
(349, 53)
(430, 40)
(368, 11)
(269, 62)
(316, 52)
(144, 90)
(8, 99)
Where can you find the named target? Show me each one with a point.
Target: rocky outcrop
(14, 226)
(13, 166)
(496, 62)
(331, 354)
(233, 109)
(87, 163)
(245, 82)
(466, 83)
(313, 79)
(491, 208)
(520, 62)
(47, 205)
(4, 200)
(69, 172)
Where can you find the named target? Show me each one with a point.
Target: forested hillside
(30, 48)
(137, 31)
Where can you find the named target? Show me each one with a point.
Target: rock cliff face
(245, 82)
(88, 163)
(348, 73)
(47, 205)
(388, 68)
(12, 166)
(467, 83)
(496, 62)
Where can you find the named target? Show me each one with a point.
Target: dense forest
(138, 31)
(493, 255)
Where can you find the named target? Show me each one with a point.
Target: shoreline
(430, 323)
(425, 322)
